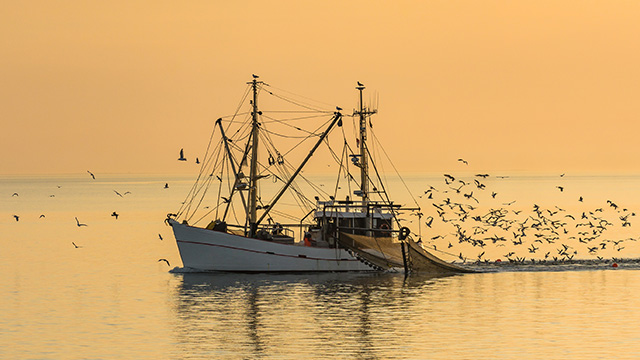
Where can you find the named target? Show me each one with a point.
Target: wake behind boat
(275, 219)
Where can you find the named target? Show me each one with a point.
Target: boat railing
(358, 209)
(274, 230)
(375, 232)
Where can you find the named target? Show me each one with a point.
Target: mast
(364, 157)
(253, 174)
(364, 168)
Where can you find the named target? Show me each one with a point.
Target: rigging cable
(192, 193)
(301, 96)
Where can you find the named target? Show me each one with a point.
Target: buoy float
(498, 260)
(615, 265)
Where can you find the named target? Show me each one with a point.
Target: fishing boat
(230, 223)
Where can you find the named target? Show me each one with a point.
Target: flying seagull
(165, 260)
(117, 193)
(160, 236)
(15, 194)
(182, 158)
(464, 161)
(76, 246)
(115, 214)
(16, 217)
(79, 224)
(90, 173)
(197, 161)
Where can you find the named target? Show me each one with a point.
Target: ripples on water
(566, 314)
(112, 299)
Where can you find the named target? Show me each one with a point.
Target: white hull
(209, 250)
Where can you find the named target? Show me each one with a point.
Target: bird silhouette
(79, 224)
(165, 260)
(429, 221)
(464, 161)
(76, 246)
(92, 176)
(16, 217)
(182, 158)
(160, 236)
(197, 161)
(115, 214)
(15, 194)
(360, 84)
(255, 76)
(166, 185)
(117, 193)
(41, 216)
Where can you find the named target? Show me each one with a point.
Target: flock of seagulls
(113, 214)
(529, 234)
(80, 224)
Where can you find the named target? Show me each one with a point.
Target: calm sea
(110, 297)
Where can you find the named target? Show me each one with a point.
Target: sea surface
(100, 292)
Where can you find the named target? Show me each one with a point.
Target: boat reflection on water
(254, 315)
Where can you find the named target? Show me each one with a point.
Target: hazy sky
(121, 86)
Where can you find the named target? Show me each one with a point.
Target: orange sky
(121, 86)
